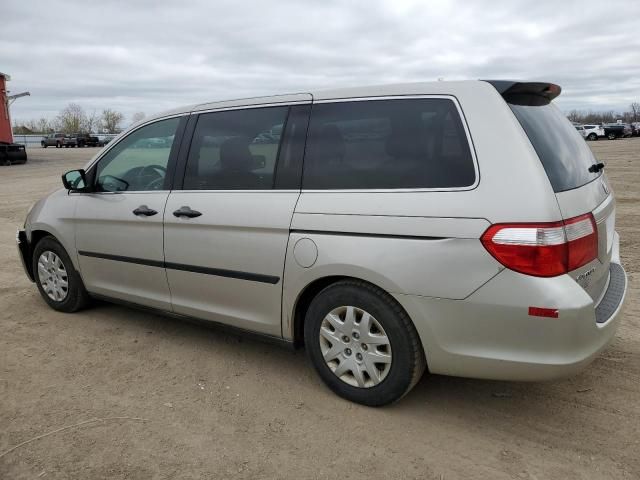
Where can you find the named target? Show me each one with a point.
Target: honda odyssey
(464, 228)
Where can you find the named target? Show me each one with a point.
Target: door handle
(186, 212)
(144, 210)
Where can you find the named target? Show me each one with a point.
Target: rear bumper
(491, 335)
(24, 252)
(612, 301)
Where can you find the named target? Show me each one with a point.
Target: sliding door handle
(145, 211)
(186, 212)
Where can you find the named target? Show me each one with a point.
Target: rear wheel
(44, 145)
(611, 136)
(57, 280)
(593, 137)
(362, 343)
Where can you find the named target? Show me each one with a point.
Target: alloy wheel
(355, 346)
(53, 276)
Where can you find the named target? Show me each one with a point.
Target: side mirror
(75, 180)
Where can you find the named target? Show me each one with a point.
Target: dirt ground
(178, 400)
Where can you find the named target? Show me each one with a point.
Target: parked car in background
(104, 139)
(593, 132)
(53, 140)
(87, 140)
(60, 140)
(153, 143)
(614, 130)
(628, 130)
(70, 141)
(265, 138)
(580, 130)
(366, 234)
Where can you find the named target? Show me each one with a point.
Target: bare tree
(137, 117)
(21, 128)
(111, 120)
(92, 122)
(43, 125)
(635, 110)
(575, 116)
(580, 116)
(71, 119)
(31, 125)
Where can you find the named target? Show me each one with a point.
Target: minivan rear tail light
(544, 249)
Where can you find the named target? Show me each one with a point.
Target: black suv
(87, 140)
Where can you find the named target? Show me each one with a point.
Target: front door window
(138, 162)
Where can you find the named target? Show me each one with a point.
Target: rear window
(565, 155)
(387, 144)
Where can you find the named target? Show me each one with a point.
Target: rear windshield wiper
(596, 167)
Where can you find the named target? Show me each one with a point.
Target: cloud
(154, 55)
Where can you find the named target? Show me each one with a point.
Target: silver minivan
(460, 227)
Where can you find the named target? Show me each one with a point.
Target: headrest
(235, 154)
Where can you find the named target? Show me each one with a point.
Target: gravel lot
(178, 400)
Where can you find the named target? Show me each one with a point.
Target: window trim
(171, 162)
(301, 114)
(253, 106)
(120, 137)
(465, 126)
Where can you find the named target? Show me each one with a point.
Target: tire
(404, 358)
(75, 297)
(611, 136)
(44, 145)
(593, 137)
(58, 145)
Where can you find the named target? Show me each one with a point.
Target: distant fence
(28, 140)
(34, 140)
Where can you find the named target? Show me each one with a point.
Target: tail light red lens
(544, 249)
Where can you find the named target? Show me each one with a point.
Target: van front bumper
(491, 335)
(24, 252)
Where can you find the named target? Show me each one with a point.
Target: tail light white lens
(544, 249)
(582, 238)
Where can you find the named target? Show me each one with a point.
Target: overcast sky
(153, 55)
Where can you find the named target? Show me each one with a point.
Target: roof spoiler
(526, 93)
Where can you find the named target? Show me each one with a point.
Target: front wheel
(57, 280)
(611, 136)
(44, 145)
(593, 137)
(362, 343)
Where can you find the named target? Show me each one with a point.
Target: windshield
(563, 152)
